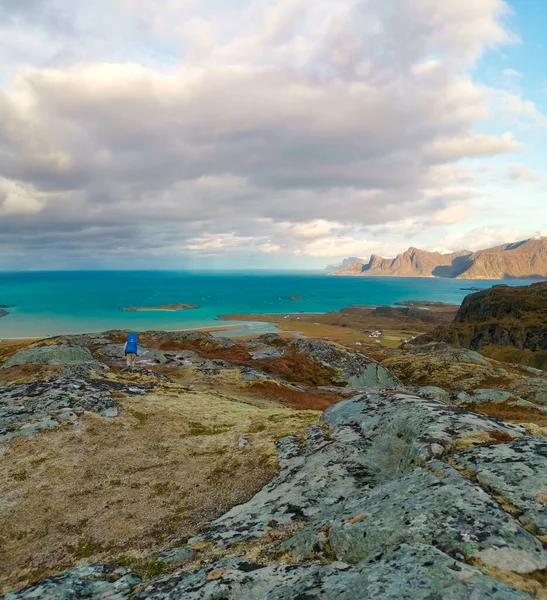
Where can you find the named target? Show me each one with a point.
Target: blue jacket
(132, 344)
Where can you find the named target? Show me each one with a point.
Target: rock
(51, 355)
(28, 408)
(354, 369)
(176, 556)
(439, 507)
(242, 443)
(110, 413)
(100, 582)
(115, 354)
(516, 473)
(482, 396)
(532, 371)
(267, 352)
(433, 392)
(426, 421)
(412, 571)
(248, 374)
(147, 373)
(367, 500)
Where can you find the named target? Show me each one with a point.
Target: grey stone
(433, 392)
(532, 370)
(353, 368)
(97, 582)
(410, 572)
(242, 443)
(176, 556)
(248, 374)
(482, 396)
(268, 352)
(115, 354)
(515, 472)
(51, 355)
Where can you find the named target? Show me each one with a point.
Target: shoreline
(32, 339)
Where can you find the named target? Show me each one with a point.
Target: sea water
(54, 303)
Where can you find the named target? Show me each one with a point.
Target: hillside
(526, 259)
(508, 323)
(198, 476)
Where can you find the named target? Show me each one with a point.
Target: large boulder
(64, 354)
(354, 369)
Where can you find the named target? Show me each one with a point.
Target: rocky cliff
(527, 259)
(505, 322)
(347, 262)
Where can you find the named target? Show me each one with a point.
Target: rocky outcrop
(521, 260)
(51, 355)
(394, 496)
(28, 408)
(504, 322)
(353, 368)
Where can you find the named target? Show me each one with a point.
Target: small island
(3, 312)
(293, 298)
(165, 307)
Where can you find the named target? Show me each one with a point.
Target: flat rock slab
(436, 505)
(104, 582)
(516, 473)
(434, 423)
(51, 355)
(411, 572)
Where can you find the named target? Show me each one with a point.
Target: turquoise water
(56, 303)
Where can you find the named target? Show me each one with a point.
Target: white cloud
(485, 237)
(522, 173)
(17, 198)
(511, 73)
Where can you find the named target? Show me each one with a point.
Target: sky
(213, 134)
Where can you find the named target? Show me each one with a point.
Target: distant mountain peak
(518, 260)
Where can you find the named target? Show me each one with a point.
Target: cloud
(18, 199)
(276, 126)
(511, 73)
(522, 173)
(485, 237)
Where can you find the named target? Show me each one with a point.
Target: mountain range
(520, 260)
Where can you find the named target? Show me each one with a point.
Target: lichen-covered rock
(370, 496)
(516, 473)
(115, 354)
(354, 369)
(176, 556)
(432, 421)
(28, 408)
(410, 572)
(104, 582)
(435, 505)
(267, 352)
(51, 355)
(482, 396)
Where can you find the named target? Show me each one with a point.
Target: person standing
(131, 348)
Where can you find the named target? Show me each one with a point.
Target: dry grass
(105, 489)
(511, 413)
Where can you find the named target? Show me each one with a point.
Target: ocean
(55, 303)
